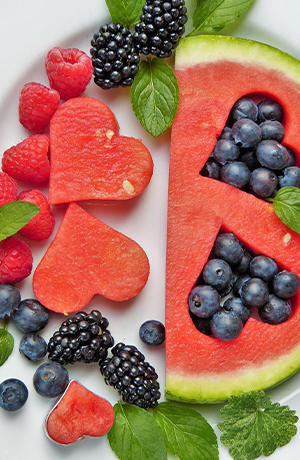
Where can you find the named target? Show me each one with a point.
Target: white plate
(28, 30)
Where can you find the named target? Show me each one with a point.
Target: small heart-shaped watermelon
(90, 160)
(79, 413)
(88, 257)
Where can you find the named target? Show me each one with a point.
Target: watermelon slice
(88, 257)
(213, 72)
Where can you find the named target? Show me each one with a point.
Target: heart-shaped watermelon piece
(79, 413)
(88, 257)
(90, 160)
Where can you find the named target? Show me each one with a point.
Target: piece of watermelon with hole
(213, 73)
(88, 257)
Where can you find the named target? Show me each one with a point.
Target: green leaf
(155, 96)
(287, 207)
(14, 215)
(6, 345)
(214, 15)
(255, 426)
(136, 435)
(126, 12)
(187, 434)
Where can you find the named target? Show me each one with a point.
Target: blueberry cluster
(234, 282)
(134, 378)
(249, 153)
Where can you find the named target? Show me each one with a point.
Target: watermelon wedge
(213, 72)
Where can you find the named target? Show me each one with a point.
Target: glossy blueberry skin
(226, 133)
(263, 182)
(152, 333)
(203, 301)
(263, 267)
(246, 133)
(236, 174)
(225, 151)
(285, 284)
(290, 177)
(272, 129)
(236, 290)
(30, 316)
(275, 311)
(13, 394)
(244, 108)
(236, 305)
(292, 157)
(10, 298)
(243, 265)
(249, 158)
(217, 273)
(228, 247)
(50, 379)
(226, 325)
(272, 155)
(254, 293)
(269, 110)
(211, 169)
(33, 346)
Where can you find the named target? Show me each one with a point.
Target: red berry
(15, 260)
(41, 226)
(69, 71)
(28, 161)
(37, 104)
(8, 189)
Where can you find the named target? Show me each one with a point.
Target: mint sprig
(125, 12)
(6, 343)
(286, 205)
(14, 216)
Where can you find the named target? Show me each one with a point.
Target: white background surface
(29, 28)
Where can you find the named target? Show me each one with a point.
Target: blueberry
(225, 151)
(292, 157)
(50, 379)
(249, 158)
(228, 247)
(226, 325)
(246, 133)
(291, 177)
(244, 108)
(236, 305)
(217, 273)
(272, 155)
(226, 133)
(30, 316)
(263, 182)
(275, 311)
(33, 346)
(203, 301)
(10, 298)
(152, 332)
(272, 129)
(285, 284)
(236, 174)
(254, 293)
(211, 169)
(236, 290)
(243, 265)
(269, 110)
(202, 324)
(263, 267)
(13, 394)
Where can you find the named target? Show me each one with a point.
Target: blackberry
(160, 28)
(134, 379)
(82, 338)
(114, 56)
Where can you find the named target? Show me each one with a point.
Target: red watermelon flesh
(213, 72)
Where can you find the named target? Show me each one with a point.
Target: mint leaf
(187, 434)
(214, 15)
(6, 345)
(135, 434)
(287, 207)
(155, 96)
(126, 12)
(14, 215)
(255, 426)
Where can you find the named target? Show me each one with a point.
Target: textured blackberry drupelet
(114, 56)
(82, 338)
(160, 28)
(133, 377)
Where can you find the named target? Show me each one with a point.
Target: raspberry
(41, 226)
(15, 260)
(28, 161)
(8, 189)
(37, 104)
(69, 71)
